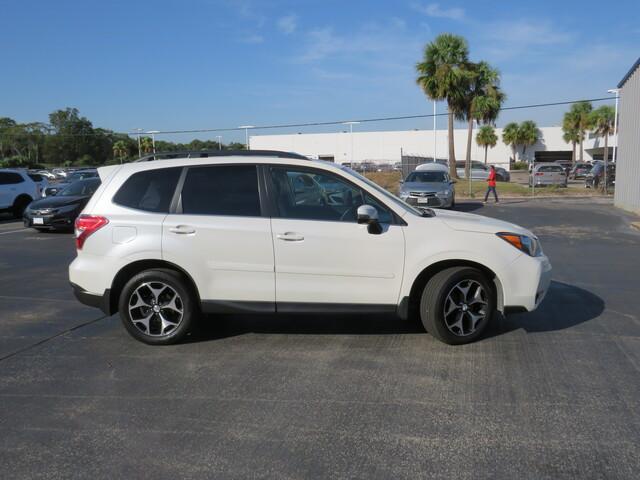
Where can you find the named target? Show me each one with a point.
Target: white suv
(162, 241)
(17, 190)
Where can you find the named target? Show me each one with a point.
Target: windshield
(424, 177)
(384, 192)
(80, 188)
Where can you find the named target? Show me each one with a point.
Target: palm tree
(510, 138)
(482, 101)
(571, 135)
(120, 149)
(442, 75)
(486, 138)
(602, 122)
(528, 134)
(146, 144)
(577, 119)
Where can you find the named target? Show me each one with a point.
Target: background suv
(17, 190)
(163, 241)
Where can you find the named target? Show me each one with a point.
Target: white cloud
(288, 24)
(252, 39)
(436, 11)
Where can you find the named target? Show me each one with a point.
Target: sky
(200, 64)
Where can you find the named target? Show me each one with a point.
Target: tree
(602, 121)
(486, 138)
(511, 139)
(443, 75)
(577, 121)
(482, 101)
(120, 150)
(147, 144)
(528, 134)
(571, 135)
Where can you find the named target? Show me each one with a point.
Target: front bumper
(429, 201)
(529, 283)
(62, 221)
(103, 302)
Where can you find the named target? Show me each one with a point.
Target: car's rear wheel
(158, 307)
(457, 304)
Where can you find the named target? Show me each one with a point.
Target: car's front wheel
(158, 307)
(457, 304)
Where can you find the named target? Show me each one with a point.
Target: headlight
(444, 193)
(524, 243)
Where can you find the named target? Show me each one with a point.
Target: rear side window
(221, 190)
(150, 191)
(10, 178)
(35, 177)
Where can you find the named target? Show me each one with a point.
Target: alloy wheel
(465, 307)
(156, 309)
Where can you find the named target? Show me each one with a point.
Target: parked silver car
(548, 174)
(428, 188)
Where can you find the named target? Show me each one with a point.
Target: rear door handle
(290, 237)
(182, 229)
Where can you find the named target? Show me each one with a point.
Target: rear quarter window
(150, 191)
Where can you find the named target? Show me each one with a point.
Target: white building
(388, 146)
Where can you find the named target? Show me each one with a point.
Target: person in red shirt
(491, 182)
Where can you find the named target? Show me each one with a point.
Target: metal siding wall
(627, 194)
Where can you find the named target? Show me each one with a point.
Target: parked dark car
(594, 177)
(580, 170)
(54, 188)
(59, 212)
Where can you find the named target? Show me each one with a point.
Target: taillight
(86, 225)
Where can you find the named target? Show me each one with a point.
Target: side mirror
(401, 182)
(367, 214)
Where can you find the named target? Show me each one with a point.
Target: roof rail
(219, 153)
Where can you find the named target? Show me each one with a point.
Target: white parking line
(14, 231)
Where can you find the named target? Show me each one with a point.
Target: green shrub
(520, 166)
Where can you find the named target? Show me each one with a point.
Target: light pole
(435, 147)
(351, 124)
(153, 138)
(246, 134)
(219, 137)
(139, 130)
(615, 122)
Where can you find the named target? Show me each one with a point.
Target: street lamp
(153, 138)
(219, 137)
(246, 134)
(351, 124)
(615, 122)
(435, 148)
(139, 130)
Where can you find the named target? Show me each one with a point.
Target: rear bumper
(103, 302)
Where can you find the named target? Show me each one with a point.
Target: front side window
(151, 190)
(221, 190)
(317, 195)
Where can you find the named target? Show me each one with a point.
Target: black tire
(159, 335)
(19, 206)
(433, 300)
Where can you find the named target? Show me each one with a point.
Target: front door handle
(290, 237)
(182, 230)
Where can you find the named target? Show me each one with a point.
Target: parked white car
(17, 190)
(162, 241)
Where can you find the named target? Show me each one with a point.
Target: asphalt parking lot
(551, 394)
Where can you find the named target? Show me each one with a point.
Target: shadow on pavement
(564, 307)
(468, 206)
